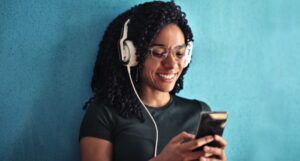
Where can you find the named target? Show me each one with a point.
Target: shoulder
(192, 103)
(98, 121)
(98, 105)
(99, 111)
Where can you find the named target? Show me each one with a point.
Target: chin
(166, 88)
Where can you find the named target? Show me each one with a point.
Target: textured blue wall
(246, 61)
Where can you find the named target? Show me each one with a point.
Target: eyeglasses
(160, 52)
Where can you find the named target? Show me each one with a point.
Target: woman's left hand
(215, 153)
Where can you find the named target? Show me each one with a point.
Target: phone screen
(211, 123)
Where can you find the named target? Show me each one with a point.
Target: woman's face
(161, 74)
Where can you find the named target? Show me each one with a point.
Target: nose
(170, 61)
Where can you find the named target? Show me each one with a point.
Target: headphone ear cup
(127, 51)
(188, 51)
(131, 52)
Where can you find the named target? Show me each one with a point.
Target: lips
(167, 76)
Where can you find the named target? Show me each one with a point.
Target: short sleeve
(204, 106)
(97, 122)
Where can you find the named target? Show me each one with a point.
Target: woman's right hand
(181, 147)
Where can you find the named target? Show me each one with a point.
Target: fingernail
(210, 137)
(191, 135)
(203, 159)
(206, 148)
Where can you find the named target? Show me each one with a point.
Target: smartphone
(211, 123)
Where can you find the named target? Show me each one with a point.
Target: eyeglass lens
(161, 52)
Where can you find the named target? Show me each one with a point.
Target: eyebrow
(162, 45)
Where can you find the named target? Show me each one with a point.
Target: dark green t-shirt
(134, 140)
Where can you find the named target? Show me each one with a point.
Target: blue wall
(246, 61)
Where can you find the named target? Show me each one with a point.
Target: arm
(95, 149)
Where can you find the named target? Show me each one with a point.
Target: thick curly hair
(110, 80)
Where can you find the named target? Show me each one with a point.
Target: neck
(155, 98)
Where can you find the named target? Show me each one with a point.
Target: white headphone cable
(156, 129)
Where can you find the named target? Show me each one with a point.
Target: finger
(190, 155)
(196, 155)
(182, 136)
(221, 141)
(219, 152)
(193, 155)
(209, 159)
(207, 154)
(193, 144)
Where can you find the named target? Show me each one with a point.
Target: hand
(181, 147)
(215, 153)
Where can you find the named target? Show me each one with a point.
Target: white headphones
(128, 52)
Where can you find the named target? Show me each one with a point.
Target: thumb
(182, 136)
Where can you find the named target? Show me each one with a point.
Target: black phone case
(209, 124)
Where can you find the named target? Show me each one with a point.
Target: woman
(153, 123)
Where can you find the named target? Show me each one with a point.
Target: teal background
(246, 61)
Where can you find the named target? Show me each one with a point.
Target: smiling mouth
(167, 77)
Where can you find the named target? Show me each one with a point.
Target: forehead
(169, 36)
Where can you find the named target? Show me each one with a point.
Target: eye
(159, 52)
(180, 53)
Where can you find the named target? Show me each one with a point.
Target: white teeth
(167, 76)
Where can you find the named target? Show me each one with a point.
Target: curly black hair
(110, 80)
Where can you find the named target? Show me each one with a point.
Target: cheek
(149, 72)
(150, 67)
(180, 67)
(146, 74)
